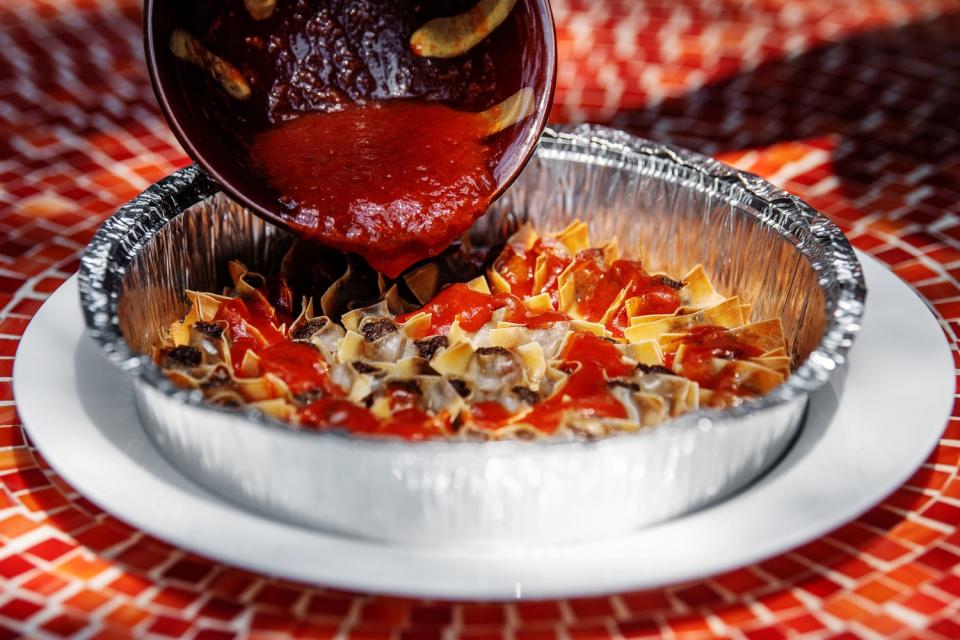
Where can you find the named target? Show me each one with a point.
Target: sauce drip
(358, 180)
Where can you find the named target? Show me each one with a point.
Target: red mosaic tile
(883, 624)
(943, 512)
(939, 559)
(64, 625)
(214, 634)
(141, 557)
(187, 570)
(536, 634)
(44, 584)
(894, 256)
(50, 549)
(821, 587)
(483, 614)
(102, 537)
(765, 633)
(174, 597)
(220, 609)
(643, 601)
(639, 629)
(11, 437)
(273, 623)
(86, 600)
(591, 607)
(946, 628)
(20, 609)
(24, 479)
(169, 626)
(385, 612)
(924, 603)
(698, 595)
(538, 611)
(12, 566)
(277, 595)
(804, 624)
(734, 615)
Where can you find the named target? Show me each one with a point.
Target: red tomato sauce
(518, 267)
(453, 302)
(406, 421)
(238, 316)
(298, 364)
(334, 413)
(489, 415)
(587, 348)
(474, 309)
(598, 286)
(358, 181)
(703, 344)
(585, 391)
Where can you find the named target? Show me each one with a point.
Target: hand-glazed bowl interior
(684, 209)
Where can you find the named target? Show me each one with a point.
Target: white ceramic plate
(79, 412)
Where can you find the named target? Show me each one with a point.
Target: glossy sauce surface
(593, 361)
(704, 343)
(298, 364)
(598, 287)
(473, 309)
(518, 266)
(394, 181)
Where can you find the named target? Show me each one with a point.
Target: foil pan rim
(123, 234)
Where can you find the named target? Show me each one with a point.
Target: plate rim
(460, 573)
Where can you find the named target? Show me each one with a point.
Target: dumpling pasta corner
(549, 337)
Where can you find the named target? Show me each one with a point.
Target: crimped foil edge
(119, 239)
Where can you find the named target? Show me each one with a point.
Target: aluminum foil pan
(683, 208)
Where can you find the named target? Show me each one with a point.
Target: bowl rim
(101, 275)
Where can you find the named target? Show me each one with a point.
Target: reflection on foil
(754, 240)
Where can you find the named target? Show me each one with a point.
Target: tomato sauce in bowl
(357, 182)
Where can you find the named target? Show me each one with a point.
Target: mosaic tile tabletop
(853, 105)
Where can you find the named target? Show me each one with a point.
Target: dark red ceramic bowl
(310, 54)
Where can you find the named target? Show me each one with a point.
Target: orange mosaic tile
(883, 624)
(924, 603)
(15, 525)
(83, 567)
(15, 458)
(174, 597)
(86, 600)
(129, 584)
(126, 615)
(44, 500)
(44, 584)
(804, 623)
(915, 533)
